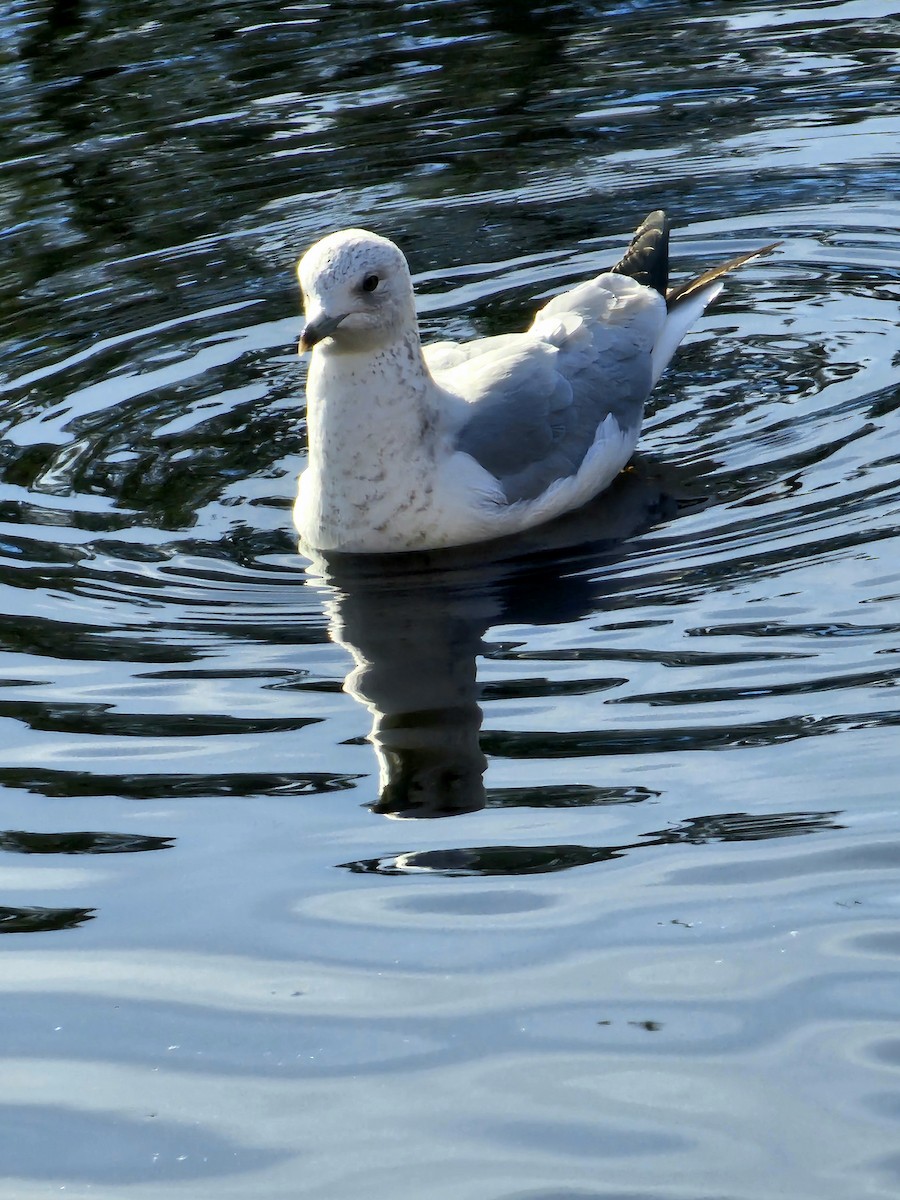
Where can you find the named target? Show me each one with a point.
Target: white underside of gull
(449, 502)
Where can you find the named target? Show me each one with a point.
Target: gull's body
(415, 447)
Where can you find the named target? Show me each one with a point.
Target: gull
(416, 447)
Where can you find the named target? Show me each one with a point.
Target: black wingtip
(647, 258)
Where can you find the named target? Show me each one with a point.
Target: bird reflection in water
(415, 623)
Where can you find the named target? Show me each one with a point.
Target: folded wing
(534, 402)
(535, 405)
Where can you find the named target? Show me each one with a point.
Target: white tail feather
(678, 321)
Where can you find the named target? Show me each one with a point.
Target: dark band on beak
(315, 331)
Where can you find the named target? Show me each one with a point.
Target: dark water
(652, 952)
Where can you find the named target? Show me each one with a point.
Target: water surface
(650, 951)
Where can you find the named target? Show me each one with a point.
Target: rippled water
(653, 949)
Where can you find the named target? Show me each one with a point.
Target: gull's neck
(372, 422)
(363, 408)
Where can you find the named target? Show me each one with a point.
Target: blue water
(564, 872)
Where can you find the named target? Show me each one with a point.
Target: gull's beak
(321, 326)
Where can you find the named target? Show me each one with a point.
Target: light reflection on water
(652, 950)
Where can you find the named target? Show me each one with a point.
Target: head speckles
(344, 312)
(347, 258)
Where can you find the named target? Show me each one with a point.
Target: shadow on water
(541, 860)
(42, 920)
(21, 842)
(415, 627)
(415, 624)
(36, 919)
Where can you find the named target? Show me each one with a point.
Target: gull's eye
(370, 283)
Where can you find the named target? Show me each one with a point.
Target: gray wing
(536, 400)
(443, 356)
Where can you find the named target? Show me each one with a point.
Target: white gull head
(357, 293)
